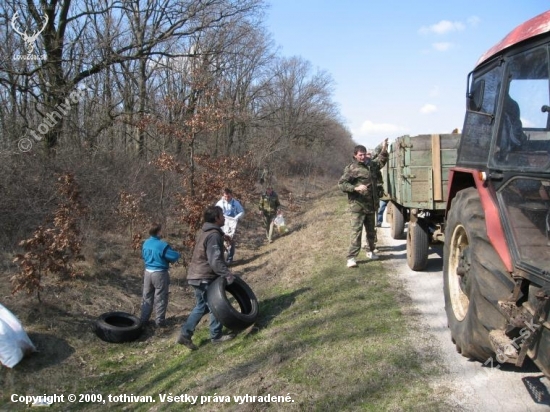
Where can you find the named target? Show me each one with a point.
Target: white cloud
(527, 123)
(473, 20)
(370, 133)
(442, 46)
(369, 127)
(443, 27)
(428, 108)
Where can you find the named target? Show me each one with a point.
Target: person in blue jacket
(157, 255)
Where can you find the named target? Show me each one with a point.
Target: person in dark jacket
(207, 263)
(157, 256)
(382, 195)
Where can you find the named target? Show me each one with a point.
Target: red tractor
(497, 225)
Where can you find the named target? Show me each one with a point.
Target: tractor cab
(507, 136)
(497, 224)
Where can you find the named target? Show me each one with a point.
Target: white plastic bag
(279, 222)
(14, 342)
(230, 226)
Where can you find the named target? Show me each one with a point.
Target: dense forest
(113, 113)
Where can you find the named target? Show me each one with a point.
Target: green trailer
(415, 178)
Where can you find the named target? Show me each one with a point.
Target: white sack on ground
(14, 342)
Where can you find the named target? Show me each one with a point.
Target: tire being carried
(229, 316)
(118, 327)
(474, 278)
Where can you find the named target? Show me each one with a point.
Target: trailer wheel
(397, 221)
(474, 278)
(417, 246)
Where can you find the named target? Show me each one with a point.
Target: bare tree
(76, 48)
(115, 87)
(296, 108)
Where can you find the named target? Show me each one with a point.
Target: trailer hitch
(542, 297)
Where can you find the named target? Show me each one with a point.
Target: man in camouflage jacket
(269, 205)
(359, 181)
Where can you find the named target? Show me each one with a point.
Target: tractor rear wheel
(474, 278)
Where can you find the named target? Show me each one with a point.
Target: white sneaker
(372, 255)
(352, 263)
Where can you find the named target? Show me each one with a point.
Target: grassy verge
(328, 338)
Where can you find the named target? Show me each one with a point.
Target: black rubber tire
(118, 327)
(417, 246)
(397, 222)
(222, 309)
(471, 299)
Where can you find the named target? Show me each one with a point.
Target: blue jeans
(380, 217)
(201, 308)
(231, 252)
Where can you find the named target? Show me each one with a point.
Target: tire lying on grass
(222, 308)
(118, 327)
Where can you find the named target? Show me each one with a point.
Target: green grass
(332, 338)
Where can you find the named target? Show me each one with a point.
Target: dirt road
(474, 387)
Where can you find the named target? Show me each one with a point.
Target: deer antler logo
(29, 40)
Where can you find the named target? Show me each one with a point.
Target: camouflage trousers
(268, 224)
(358, 221)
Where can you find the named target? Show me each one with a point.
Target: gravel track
(473, 386)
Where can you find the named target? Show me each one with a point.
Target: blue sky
(399, 67)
